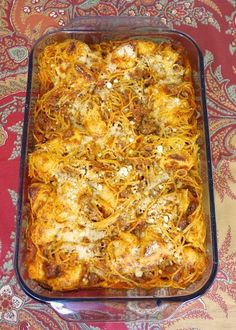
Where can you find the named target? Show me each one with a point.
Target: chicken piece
(35, 269)
(43, 166)
(38, 195)
(180, 160)
(56, 277)
(124, 56)
(168, 110)
(93, 122)
(55, 69)
(69, 279)
(145, 48)
(69, 142)
(153, 248)
(124, 251)
(107, 195)
(194, 259)
(44, 233)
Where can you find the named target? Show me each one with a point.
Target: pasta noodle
(115, 191)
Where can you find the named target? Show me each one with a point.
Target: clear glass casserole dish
(114, 304)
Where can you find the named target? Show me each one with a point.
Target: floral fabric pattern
(212, 24)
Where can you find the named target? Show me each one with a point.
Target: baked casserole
(115, 192)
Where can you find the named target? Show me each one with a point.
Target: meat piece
(150, 82)
(139, 73)
(33, 192)
(183, 222)
(85, 240)
(51, 270)
(138, 113)
(100, 83)
(93, 278)
(192, 206)
(170, 269)
(125, 193)
(68, 133)
(44, 123)
(177, 157)
(71, 48)
(148, 126)
(177, 276)
(148, 275)
(42, 119)
(171, 89)
(140, 228)
(87, 75)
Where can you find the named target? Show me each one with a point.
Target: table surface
(212, 23)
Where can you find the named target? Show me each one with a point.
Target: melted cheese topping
(115, 193)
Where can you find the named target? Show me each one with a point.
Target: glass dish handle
(115, 311)
(97, 23)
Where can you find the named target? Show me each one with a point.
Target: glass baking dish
(108, 304)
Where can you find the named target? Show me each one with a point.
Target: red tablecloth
(212, 23)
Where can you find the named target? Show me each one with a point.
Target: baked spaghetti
(115, 191)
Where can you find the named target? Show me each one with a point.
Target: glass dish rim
(180, 298)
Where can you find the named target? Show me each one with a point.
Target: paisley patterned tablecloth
(212, 23)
